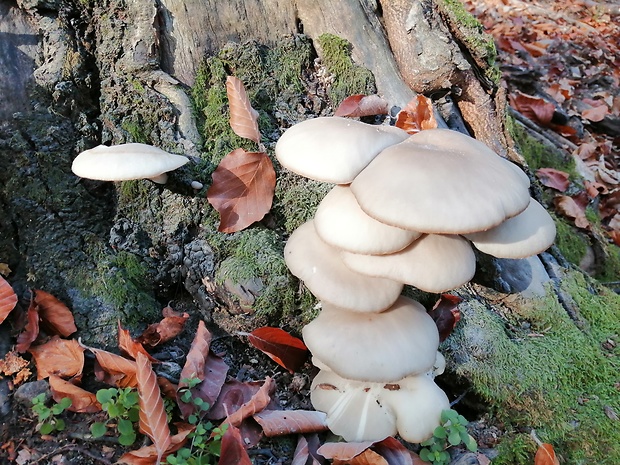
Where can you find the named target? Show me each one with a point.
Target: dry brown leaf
(199, 351)
(287, 351)
(568, 207)
(8, 299)
(60, 357)
(417, 115)
(31, 331)
(233, 449)
(553, 178)
(306, 451)
(167, 329)
(130, 347)
(368, 457)
(147, 455)
(82, 401)
(397, 454)
(242, 189)
(360, 105)
(596, 113)
(12, 363)
(114, 369)
(343, 450)
(56, 318)
(153, 418)
(279, 422)
(257, 403)
(545, 455)
(445, 314)
(243, 118)
(534, 108)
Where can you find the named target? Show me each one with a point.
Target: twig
(72, 447)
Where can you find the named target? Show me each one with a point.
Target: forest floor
(561, 65)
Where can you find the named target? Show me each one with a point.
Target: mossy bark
(120, 71)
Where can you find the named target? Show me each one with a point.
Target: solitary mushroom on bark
(126, 161)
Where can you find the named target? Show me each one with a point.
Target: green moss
(537, 369)
(349, 78)
(515, 449)
(296, 200)
(122, 281)
(136, 130)
(571, 243)
(539, 155)
(480, 44)
(257, 253)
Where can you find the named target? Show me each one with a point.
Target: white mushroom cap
(395, 343)
(320, 267)
(441, 181)
(333, 149)
(354, 410)
(418, 403)
(365, 411)
(340, 222)
(433, 263)
(126, 161)
(529, 233)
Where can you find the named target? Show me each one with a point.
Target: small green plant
(122, 406)
(48, 422)
(206, 440)
(451, 432)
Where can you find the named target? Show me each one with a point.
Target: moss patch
(349, 78)
(122, 281)
(571, 243)
(538, 370)
(480, 44)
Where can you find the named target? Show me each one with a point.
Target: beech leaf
(279, 422)
(232, 396)
(30, 332)
(417, 115)
(114, 369)
(553, 178)
(568, 207)
(545, 455)
(287, 351)
(595, 113)
(60, 357)
(82, 401)
(535, 109)
(242, 189)
(153, 418)
(8, 299)
(130, 347)
(446, 314)
(167, 329)
(343, 450)
(306, 451)
(243, 118)
(397, 454)
(55, 316)
(233, 449)
(256, 404)
(208, 368)
(360, 105)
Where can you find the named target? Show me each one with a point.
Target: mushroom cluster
(405, 209)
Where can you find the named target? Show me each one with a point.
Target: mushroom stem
(160, 178)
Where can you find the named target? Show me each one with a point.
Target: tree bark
(74, 74)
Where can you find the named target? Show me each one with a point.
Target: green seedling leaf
(127, 439)
(440, 432)
(59, 424)
(125, 427)
(105, 396)
(98, 429)
(46, 428)
(454, 438)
